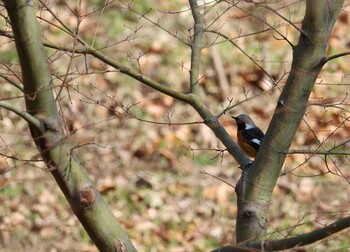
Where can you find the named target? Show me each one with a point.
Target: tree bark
(257, 182)
(84, 198)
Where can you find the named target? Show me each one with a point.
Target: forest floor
(171, 186)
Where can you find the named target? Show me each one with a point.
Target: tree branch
(196, 46)
(17, 85)
(316, 152)
(281, 16)
(258, 181)
(335, 56)
(83, 197)
(87, 49)
(23, 114)
(210, 120)
(292, 242)
(245, 54)
(123, 69)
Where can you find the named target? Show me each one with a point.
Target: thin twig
(242, 51)
(17, 85)
(316, 152)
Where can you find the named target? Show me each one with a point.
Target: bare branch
(316, 152)
(271, 27)
(17, 85)
(335, 56)
(155, 23)
(281, 16)
(70, 59)
(109, 61)
(196, 46)
(23, 114)
(288, 243)
(245, 53)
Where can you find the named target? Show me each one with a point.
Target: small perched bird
(248, 134)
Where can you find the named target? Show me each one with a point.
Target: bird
(248, 134)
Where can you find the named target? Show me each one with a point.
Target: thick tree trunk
(257, 182)
(82, 195)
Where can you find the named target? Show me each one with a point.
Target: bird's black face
(239, 119)
(240, 123)
(244, 122)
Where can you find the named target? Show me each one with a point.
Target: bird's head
(243, 119)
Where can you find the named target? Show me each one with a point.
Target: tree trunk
(53, 145)
(255, 187)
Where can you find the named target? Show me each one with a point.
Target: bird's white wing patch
(249, 126)
(257, 141)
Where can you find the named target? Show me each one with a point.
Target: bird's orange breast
(247, 149)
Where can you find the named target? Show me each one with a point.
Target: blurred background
(160, 169)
